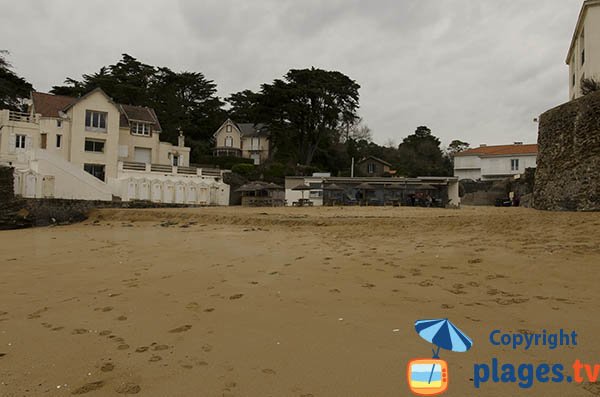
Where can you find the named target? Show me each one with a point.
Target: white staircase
(46, 175)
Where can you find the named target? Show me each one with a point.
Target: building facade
(494, 162)
(328, 190)
(373, 166)
(250, 141)
(583, 57)
(93, 148)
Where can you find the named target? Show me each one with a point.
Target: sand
(289, 301)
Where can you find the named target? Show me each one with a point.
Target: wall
(568, 171)
(500, 166)
(222, 133)
(96, 102)
(591, 41)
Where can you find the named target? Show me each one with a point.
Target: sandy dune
(289, 302)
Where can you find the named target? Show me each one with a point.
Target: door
(143, 155)
(256, 158)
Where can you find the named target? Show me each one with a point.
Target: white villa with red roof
(92, 148)
(495, 162)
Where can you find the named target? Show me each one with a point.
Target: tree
(305, 112)
(456, 146)
(589, 85)
(185, 100)
(419, 154)
(13, 88)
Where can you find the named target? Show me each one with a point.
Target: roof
(501, 150)
(49, 105)
(579, 25)
(375, 159)
(247, 129)
(250, 129)
(139, 113)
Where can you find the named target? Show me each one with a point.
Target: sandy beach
(316, 302)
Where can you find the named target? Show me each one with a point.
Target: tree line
(312, 115)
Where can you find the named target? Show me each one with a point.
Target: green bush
(223, 162)
(245, 170)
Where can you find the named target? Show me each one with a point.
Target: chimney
(181, 139)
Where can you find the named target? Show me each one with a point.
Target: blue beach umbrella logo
(444, 335)
(428, 377)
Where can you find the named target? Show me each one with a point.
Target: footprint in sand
(123, 347)
(122, 318)
(335, 291)
(37, 313)
(426, 283)
(236, 296)
(368, 285)
(107, 367)
(129, 388)
(105, 333)
(154, 359)
(269, 371)
(207, 348)
(210, 309)
(88, 387)
(79, 331)
(142, 349)
(475, 261)
(160, 347)
(183, 328)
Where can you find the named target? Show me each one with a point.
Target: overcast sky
(475, 70)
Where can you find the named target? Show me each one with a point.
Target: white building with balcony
(246, 140)
(495, 162)
(92, 148)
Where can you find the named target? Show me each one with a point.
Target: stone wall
(568, 171)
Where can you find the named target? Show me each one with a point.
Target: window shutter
(12, 142)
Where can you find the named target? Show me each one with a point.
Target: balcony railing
(168, 169)
(9, 115)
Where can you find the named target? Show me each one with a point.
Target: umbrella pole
(435, 355)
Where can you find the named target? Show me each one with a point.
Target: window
(254, 143)
(94, 145)
(59, 123)
(175, 160)
(371, 168)
(573, 79)
(228, 141)
(95, 169)
(43, 141)
(95, 121)
(582, 46)
(228, 128)
(20, 141)
(514, 164)
(58, 141)
(141, 129)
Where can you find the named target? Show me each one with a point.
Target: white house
(250, 141)
(583, 56)
(92, 148)
(495, 162)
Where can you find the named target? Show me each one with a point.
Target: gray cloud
(473, 70)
